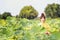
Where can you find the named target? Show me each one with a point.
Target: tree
(52, 10)
(58, 11)
(6, 14)
(28, 12)
(0, 16)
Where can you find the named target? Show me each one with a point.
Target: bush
(53, 10)
(28, 12)
(5, 15)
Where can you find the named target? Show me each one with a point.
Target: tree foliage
(5, 15)
(28, 12)
(0, 16)
(52, 10)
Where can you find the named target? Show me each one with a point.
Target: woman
(44, 24)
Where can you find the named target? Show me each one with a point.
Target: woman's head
(42, 17)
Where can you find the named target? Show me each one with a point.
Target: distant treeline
(51, 10)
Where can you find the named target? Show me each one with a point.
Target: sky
(14, 6)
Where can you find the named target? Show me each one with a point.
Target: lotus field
(23, 29)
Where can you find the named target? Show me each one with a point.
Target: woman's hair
(42, 16)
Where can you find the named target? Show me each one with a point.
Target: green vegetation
(24, 29)
(5, 15)
(19, 27)
(28, 12)
(53, 10)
